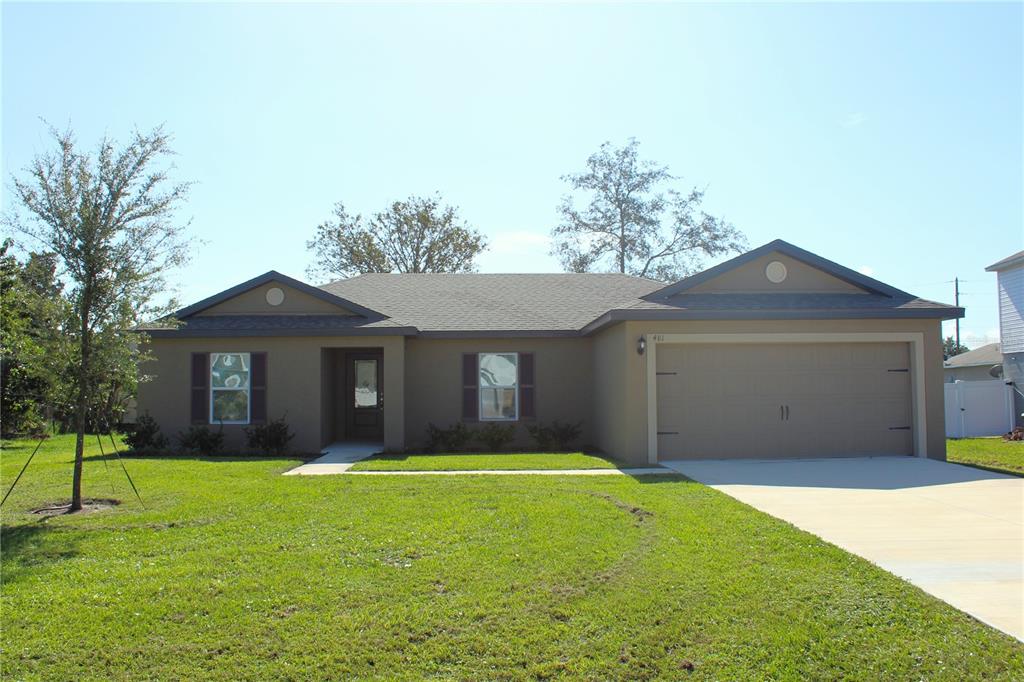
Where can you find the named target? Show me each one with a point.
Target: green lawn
(991, 453)
(478, 461)
(231, 571)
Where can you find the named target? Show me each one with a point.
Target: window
(365, 383)
(229, 388)
(499, 386)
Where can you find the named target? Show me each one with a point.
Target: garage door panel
(730, 400)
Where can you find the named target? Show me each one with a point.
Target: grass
(231, 571)
(989, 453)
(480, 461)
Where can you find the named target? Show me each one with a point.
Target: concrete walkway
(954, 531)
(522, 472)
(337, 459)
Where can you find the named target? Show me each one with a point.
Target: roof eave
(624, 315)
(185, 332)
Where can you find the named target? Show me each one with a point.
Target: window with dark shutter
(200, 393)
(470, 403)
(258, 407)
(527, 398)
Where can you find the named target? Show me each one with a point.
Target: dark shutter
(200, 388)
(470, 390)
(258, 388)
(527, 407)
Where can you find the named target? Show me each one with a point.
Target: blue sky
(886, 137)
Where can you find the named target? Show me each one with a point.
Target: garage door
(783, 400)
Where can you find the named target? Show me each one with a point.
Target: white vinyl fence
(978, 408)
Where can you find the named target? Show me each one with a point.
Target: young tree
(418, 234)
(632, 224)
(950, 348)
(109, 219)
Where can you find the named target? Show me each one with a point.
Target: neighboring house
(775, 353)
(974, 365)
(1010, 280)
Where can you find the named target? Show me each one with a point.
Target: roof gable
(805, 273)
(250, 298)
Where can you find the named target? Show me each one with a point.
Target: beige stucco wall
(623, 431)
(433, 381)
(254, 302)
(800, 278)
(295, 383)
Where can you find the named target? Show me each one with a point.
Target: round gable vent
(776, 272)
(275, 296)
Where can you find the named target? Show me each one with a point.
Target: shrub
(496, 436)
(556, 435)
(145, 435)
(452, 439)
(202, 440)
(271, 438)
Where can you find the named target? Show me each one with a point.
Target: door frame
(348, 359)
(917, 384)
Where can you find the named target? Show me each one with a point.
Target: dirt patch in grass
(89, 506)
(639, 513)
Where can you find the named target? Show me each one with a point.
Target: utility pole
(956, 302)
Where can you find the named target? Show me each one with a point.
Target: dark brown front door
(363, 396)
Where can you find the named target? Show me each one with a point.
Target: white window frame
(247, 389)
(480, 388)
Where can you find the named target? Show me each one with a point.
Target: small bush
(202, 440)
(555, 436)
(496, 436)
(271, 438)
(452, 439)
(145, 435)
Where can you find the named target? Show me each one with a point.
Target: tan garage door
(783, 400)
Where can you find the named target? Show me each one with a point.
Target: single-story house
(775, 353)
(974, 365)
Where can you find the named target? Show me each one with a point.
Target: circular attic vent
(275, 296)
(776, 272)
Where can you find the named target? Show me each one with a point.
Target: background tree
(33, 346)
(632, 223)
(418, 234)
(108, 219)
(950, 348)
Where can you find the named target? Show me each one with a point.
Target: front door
(364, 399)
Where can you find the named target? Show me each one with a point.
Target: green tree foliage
(108, 218)
(419, 234)
(950, 348)
(33, 346)
(634, 223)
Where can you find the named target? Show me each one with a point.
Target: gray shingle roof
(546, 304)
(563, 302)
(988, 354)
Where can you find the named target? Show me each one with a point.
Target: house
(1010, 281)
(974, 365)
(775, 353)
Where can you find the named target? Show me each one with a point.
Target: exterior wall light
(641, 346)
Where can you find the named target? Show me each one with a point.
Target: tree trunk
(82, 402)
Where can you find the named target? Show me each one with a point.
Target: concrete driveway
(954, 531)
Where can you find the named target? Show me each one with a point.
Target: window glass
(229, 388)
(499, 379)
(366, 383)
(498, 369)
